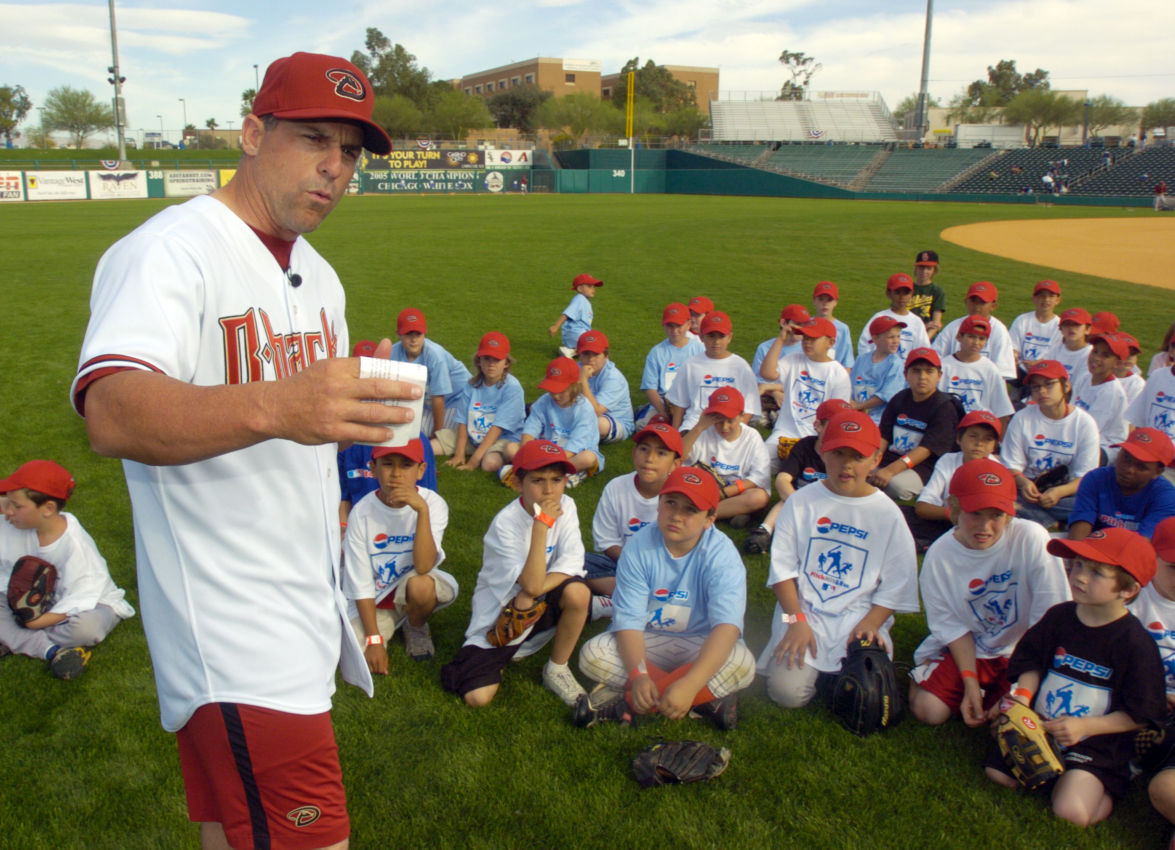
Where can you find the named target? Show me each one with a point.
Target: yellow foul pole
(628, 113)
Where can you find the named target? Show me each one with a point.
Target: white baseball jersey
(1157, 613)
(1031, 338)
(806, 385)
(978, 385)
(504, 551)
(1034, 444)
(1075, 362)
(846, 555)
(621, 512)
(378, 548)
(999, 349)
(238, 555)
(1106, 403)
(701, 375)
(745, 457)
(1154, 407)
(995, 594)
(1132, 386)
(938, 486)
(913, 334)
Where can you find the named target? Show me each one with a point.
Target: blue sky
(204, 50)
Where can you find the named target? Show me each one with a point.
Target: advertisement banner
(55, 185)
(509, 159)
(105, 185)
(421, 182)
(11, 187)
(425, 160)
(187, 184)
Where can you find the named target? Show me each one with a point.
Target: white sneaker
(575, 480)
(567, 352)
(506, 475)
(601, 607)
(559, 680)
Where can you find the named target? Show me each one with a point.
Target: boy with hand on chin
(842, 563)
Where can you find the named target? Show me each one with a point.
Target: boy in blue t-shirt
(1130, 493)
(448, 378)
(675, 645)
(576, 318)
(664, 361)
(605, 388)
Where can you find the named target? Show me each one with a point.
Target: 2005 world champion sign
(424, 171)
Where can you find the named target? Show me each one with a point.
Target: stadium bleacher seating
(1019, 169)
(863, 120)
(922, 170)
(1126, 176)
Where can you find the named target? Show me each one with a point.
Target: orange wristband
(969, 674)
(742, 488)
(1022, 693)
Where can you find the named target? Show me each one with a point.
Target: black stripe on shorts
(240, 749)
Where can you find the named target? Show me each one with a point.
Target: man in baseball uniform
(211, 367)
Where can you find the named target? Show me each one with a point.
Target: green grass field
(89, 765)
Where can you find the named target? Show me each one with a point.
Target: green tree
(517, 106)
(398, 115)
(578, 113)
(909, 105)
(211, 124)
(1003, 83)
(685, 122)
(655, 83)
(1159, 113)
(1106, 111)
(76, 112)
(963, 111)
(801, 67)
(14, 106)
(456, 113)
(1037, 109)
(247, 97)
(393, 70)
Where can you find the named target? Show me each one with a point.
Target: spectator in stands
(930, 300)
(1161, 195)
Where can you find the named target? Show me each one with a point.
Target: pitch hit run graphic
(834, 566)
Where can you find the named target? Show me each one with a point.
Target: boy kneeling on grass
(532, 553)
(735, 453)
(674, 647)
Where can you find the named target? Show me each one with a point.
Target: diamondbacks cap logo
(659, 427)
(304, 815)
(991, 479)
(924, 257)
(850, 427)
(411, 317)
(551, 449)
(722, 396)
(1097, 535)
(1140, 437)
(492, 343)
(553, 371)
(691, 478)
(347, 84)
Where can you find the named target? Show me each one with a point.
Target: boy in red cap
(1090, 669)
(841, 565)
(391, 551)
(699, 308)
(576, 318)
(1072, 349)
(983, 585)
(86, 604)
(1131, 493)
(981, 302)
(448, 378)
(605, 387)
(1098, 392)
(1032, 333)
(770, 391)
(664, 361)
(900, 291)
(532, 553)
(1127, 371)
(735, 453)
(716, 367)
(675, 643)
(878, 375)
(1154, 407)
(971, 377)
(825, 297)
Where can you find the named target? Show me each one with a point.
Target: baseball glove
(866, 696)
(1030, 753)
(675, 762)
(709, 470)
(30, 588)
(1154, 745)
(512, 622)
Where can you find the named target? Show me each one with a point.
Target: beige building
(703, 81)
(943, 126)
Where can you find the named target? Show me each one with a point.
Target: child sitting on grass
(971, 377)
(604, 387)
(900, 291)
(736, 455)
(664, 361)
(879, 375)
(716, 367)
(1072, 349)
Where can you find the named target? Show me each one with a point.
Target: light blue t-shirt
(447, 376)
(842, 351)
(884, 380)
(502, 404)
(610, 388)
(571, 428)
(765, 346)
(688, 596)
(664, 361)
(579, 319)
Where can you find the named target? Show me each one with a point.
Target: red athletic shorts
(945, 682)
(269, 778)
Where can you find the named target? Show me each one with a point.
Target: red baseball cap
(926, 258)
(1150, 445)
(795, 313)
(830, 408)
(983, 290)
(901, 280)
(984, 483)
(410, 320)
(726, 402)
(669, 436)
(562, 372)
(363, 348)
(884, 324)
(1105, 322)
(927, 354)
(536, 454)
(817, 328)
(1118, 546)
(585, 280)
(413, 450)
(851, 429)
(1164, 539)
(313, 86)
(975, 325)
(1047, 286)
(675, 314)
(982, 417)
(593, 342)
(701, 304)
(1046, 369)
(1131, 342)
(1114, 341)
(826, 287)
(43, 476)
(494, 344)
(700, 489)
(716, 322)
(1076, 316)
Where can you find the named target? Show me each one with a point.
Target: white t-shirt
(995, 594)
(1132, 386)
(700, 376)
(846, 555)
(998, 349)
(1075, 362)
(621, 512)
(1031, 338)
(504, 550)
(1157, 613)
(913, 334)
(378, 554)
(1034, 444)
(806, 385)
(978, 385)
(744, 457)
(1155, 405)
(938, 485)
(1106, 403)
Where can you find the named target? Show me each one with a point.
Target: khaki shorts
(447, 438)
(387, 620)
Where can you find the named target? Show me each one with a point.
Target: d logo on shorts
(347, 84)
(304, 815)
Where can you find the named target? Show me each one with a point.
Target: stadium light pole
(920, 112)
(116, 79)
(184, 126)
(256, 79)
(160, 143)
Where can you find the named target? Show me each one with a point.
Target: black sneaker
(757, 542)
(602, 705)
(723, 712)
(69, 663)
